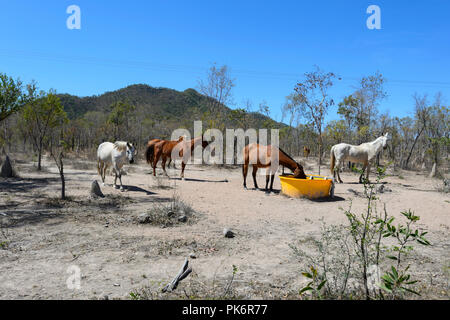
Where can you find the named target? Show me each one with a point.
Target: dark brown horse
(306, 151)
(160, 149)
(189, 146)
(261, 157)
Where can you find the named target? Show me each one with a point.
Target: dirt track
(116, 254)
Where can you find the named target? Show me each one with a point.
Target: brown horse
(189, 147)
(306, 151)
(261, 157)
(154, 141)
(160, 149)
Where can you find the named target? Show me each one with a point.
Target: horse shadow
(200, 180)
(274, 191)
(138, 189)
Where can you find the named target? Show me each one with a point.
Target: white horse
(114, 154)
(364, 153)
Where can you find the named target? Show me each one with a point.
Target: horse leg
(271, 182)
(255, 168)
(368, 171)
(100, 171)
(267, 182)
(337, 170)
(163, 164)
(115, 178)
(105, 167)
(120, 179)
(155, 160)
(183, 165)
(244, 174)
(362, 173)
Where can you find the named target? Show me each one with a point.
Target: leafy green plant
(355, 253)
(397, 280)
(315, 285)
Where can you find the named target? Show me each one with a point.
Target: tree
(438, 131)
(58, 147)
(11, 96)
(43, 113)
(360, 108)
(119, 118)
(422, 117)
(336, 130)
(218, 88)
(313, 101)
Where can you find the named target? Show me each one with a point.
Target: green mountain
(160, 104)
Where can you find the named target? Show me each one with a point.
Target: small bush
(348, 259)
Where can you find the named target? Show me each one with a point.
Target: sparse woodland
(49, 127)
(34, 121)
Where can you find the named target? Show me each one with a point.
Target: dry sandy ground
(116, 255)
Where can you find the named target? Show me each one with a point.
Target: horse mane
(120, 145)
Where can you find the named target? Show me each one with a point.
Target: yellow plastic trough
(314, 187)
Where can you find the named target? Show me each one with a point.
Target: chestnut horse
(306, 151)
(160, 149)
(261, 157)
(189, 147)
(154, 141)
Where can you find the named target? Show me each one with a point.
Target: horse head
(298, 172)
(131, 152)
(385, 140)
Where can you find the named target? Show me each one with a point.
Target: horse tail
(149, 153)
(332, 160)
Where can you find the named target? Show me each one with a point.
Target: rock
(7, 171)
(446, 187)
(182, 218)
(170, 213)
(96, 192)
(228, 233)
(192, 255)
(144, 218)
(383, 189)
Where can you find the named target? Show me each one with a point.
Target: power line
(198, 70)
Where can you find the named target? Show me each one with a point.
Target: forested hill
(161, 104)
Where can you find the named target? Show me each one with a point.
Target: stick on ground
(183, 273)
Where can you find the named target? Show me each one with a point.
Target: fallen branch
(183, 273)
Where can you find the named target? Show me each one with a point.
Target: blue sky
(268, 45)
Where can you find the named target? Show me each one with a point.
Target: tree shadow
(25, 184)
(19, 218)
